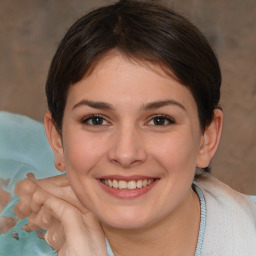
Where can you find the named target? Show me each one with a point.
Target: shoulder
(230, 220)
(220, 193)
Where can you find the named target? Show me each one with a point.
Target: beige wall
(31, 29)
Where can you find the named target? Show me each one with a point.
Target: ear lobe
(210, 140)
(55, 141)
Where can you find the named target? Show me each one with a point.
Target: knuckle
(36, 196)
(43, 220)
(24, 187)
(36, 200)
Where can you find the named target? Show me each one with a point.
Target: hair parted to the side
(142, 31)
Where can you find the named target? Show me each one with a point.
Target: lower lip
(128, 193)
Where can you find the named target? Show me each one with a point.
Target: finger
(58, 208)
(58, 181)
(22, 210)
(40, 233)
(5, 197)
(27, 228)
(43, 219)
(75, 225)
(55, 236)
(24, 189)
(53, 185)
(29, 190)
(31, 225)
(6, 223)
(65, 192)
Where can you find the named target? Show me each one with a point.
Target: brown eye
(161, 121)
(94, 120)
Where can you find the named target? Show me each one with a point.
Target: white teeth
(144, 183)
(150, 181)
(122, 184)
(132, 184)
(115, 184)
(110, 183)
(139, 183)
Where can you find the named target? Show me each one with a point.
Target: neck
(176, 234)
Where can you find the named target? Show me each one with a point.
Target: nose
(128, 149)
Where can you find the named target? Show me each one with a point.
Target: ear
(55, 140)
(210, 140)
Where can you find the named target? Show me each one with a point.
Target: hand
(52, 205)
(5, 196)
(6, 223)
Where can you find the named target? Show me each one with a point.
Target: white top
(230, 220)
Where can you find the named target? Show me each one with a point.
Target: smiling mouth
(131, 185)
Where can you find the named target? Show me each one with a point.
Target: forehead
(119, 79)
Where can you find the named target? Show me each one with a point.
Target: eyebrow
(148, 106)
(94, 104)
(163, 103)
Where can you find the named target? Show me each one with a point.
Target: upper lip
(126, 178)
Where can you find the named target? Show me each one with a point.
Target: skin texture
(5, 222)
(52, 205)
(127, 142)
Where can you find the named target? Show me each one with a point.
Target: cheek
(177, 153)
(83, 151)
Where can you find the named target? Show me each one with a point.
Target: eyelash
(162, 118)
(86, 120)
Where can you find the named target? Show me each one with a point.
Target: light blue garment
(24, 148)
(253, 198)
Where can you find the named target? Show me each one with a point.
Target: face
(131, 141)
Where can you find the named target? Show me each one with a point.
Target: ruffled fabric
(24, 148)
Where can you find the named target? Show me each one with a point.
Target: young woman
(134, 120)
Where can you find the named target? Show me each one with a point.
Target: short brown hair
(143, 31)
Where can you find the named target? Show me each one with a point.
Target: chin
(127, 220)
(132, 225)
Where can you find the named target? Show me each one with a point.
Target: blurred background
(30, 31)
